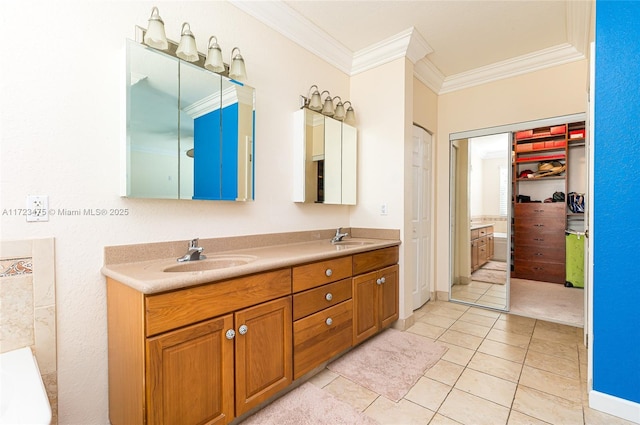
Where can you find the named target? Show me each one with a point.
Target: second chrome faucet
(338, 236)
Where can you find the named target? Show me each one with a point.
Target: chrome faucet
(194, 252)
(338, 236)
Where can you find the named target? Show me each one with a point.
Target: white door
(421, 213)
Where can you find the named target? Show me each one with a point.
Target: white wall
(62, 75)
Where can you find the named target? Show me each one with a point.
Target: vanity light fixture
(187, 49)
(327, 108)
(155, 35)
(350, 116)
(339, 112)
(214, 56)
(237, 70)
(314, 101)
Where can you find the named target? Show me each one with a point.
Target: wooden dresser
(539, 245)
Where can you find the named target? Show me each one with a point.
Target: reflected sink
(211, 263)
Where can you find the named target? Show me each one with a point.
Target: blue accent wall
(230, 152)
(616, 203)
(207, 156)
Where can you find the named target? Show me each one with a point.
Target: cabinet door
(365, 300)
(263, 352)
(388, 297)
(475, 256)
(180, 393)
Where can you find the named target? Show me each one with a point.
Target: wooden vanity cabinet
(481, 247)
(375, 292)
(184, 356)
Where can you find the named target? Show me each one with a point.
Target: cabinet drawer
(540, 238)
(314, 300)
(319, 337)
(541, 223)
(539, 209)
(374, 260)
(482, 232)
(547, 272)
(317, 274)
(173, 310)
(475, 234)
(545, 254)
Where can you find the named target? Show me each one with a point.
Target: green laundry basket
(575, 260)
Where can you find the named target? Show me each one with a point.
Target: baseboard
(441, 296)
(404, 324)
(615, 406)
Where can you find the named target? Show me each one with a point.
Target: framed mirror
(480, 220)
(189, 131)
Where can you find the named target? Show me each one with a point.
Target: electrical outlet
(383, 209)
(37, 208)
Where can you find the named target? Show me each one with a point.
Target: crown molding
(431, 76)
(579, 24)
(407, 43)
(285, 20)
(546, 58)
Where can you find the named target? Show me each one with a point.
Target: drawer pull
(539, 211)
(243, 329)
(539, 225)
(329, 321)
(230, 334)
(379, 281)
(328, 272)
(539, 254)
(329, 296)
(539, 239)
(382, 279)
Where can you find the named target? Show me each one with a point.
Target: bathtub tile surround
(28, 306)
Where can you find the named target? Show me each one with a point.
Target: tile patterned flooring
(499, 369)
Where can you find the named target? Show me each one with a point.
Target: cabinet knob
(379, 281)
(382, 279)
(230, 334)
(329, 296)
(243, 329)
(329, 321)
(328, 272)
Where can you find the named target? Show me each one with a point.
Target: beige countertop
(475, 226)
(149, 276)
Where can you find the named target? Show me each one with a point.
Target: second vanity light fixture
(314, 101)
(155, 37)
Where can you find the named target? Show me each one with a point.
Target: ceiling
(453, 43)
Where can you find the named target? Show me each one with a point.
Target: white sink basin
(23, 398)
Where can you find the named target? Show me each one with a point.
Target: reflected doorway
(480, 201)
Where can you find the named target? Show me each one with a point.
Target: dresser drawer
(539, 209)
(314, 300)
(319, 273)
(319, 337)
(475, 234)
(539, 238)
(547, 272)
(541, 223)
(544, 253)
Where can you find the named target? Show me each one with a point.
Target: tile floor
(499, 369)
